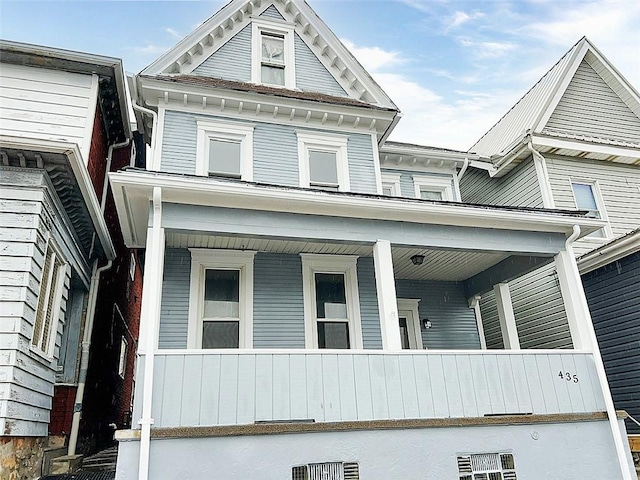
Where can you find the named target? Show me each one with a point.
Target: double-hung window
(225, 150)
(331, 301)
(221, 299)
(587, 197)
(431, 187)
(323, 161)
(273, 60)
(49, 299)
(391, 184)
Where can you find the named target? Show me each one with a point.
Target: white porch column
(387, 302)
(506, 316)
(149, 322)
(474, 303)
(575, 301)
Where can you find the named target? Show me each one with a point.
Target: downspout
(91, 310)
(154, 123)
(463, 170)
(540, 164)
(618, 438)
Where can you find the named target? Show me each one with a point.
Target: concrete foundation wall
(570, 451)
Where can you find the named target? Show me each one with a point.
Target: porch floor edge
(284, 428)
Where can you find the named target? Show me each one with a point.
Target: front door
(409, 331)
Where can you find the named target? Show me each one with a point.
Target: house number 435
(568, 376)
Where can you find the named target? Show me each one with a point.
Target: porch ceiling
(443, 265)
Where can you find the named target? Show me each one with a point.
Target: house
(573, 142)
(63, 124)
(311, 291)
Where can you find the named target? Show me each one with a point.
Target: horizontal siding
(369, 313)
(272, 12)
(232, 61)
(407, 185)
(236, 389)
(445, 304)
(275, 152)
(311, 74)
(174, 311)
(278, 309)
(590, 107)
(614, 301)
(42, 103)
(619, 185)
(517, 188)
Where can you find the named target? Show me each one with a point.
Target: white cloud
(374, 58)
(174, 33)
(148, 49)
(487, 49)
(460, 17)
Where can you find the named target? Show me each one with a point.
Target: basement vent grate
(487, 466)
(326, 471)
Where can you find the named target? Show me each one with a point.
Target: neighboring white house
(573, 142)
(311, 293)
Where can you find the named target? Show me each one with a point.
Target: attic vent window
(273, 61)
(327, 471)
(487, 466)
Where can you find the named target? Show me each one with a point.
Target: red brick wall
(62, 411)
(98, 153)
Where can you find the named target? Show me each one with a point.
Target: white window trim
(392, 179)
(411, 305)
(208, 129)
(207, 258)
(327, 142)
(345, 264)
(57, 284)
(437, 184)
(122, 361)
(286, 29)
(597, 194)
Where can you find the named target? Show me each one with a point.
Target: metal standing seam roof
(522, 116)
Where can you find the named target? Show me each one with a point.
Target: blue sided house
(311, 292)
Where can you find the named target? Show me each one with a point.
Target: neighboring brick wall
(62, 410)
(98, 153)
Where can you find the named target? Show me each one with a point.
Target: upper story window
(587, 197)
(221, 299)
(225, 150)
(49, 299)
(391, 184)
(323, 161)
(331, 302)
(433, 187)
(273, 60)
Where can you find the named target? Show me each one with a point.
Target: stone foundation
(21, 457)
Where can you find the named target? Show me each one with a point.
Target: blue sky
(454, 67)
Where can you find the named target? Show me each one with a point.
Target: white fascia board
(583, 146)
(615, 250)
(134, 189)
(78, 165)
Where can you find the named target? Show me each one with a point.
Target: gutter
(154, 122)
(612, 251)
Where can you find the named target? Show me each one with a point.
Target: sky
(453, 67)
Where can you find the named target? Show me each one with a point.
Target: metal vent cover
(326, 471)
(486, 466)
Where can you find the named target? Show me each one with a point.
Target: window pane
(273, 49)
(330, 296)
(224, 157)
(404, 333)
(322, 167)
(333, 335)
(585, 199)
(430, 194)
(272, 75)
(220, 334)
(222, 294)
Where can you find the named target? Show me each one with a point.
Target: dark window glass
(330, 296)
(220, 334)
(404, 333)
(333, 335)
(222, 294)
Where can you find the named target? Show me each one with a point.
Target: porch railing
(203, 388)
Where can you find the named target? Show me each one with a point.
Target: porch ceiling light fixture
(417, 259)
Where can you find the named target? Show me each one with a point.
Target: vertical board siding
(278, 312)
(46, 104)
(174, 310)
(275, 152)
(445, 304)
(614, 301)
(369, 313)
(589, 107)
(517, 188)
(311, 74)
(232, 61)
(231, 389)
(619, 185)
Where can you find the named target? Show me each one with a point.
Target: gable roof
(212, 34)
(531, 114)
